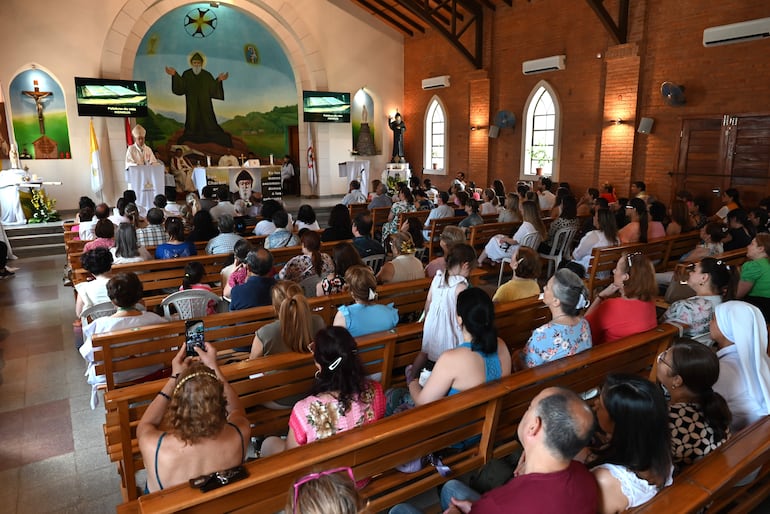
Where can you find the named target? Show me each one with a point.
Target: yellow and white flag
(97, 177)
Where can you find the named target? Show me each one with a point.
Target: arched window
(435, 136)
(541, 134)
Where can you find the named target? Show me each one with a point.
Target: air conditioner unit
(737, 32)
(436, 82)
(553, 63)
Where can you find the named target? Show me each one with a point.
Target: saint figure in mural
(398, 127)
(199, 88)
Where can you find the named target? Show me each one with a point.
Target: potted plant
(540, 155)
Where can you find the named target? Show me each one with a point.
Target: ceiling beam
(618, 31)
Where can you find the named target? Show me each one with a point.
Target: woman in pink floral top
(342, 397)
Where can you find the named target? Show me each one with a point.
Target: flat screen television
(326, 107)
(108, 97)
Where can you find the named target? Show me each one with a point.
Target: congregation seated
(86, 229)
(223, 205)
(354, 194)
(713, 282)
(193, 274)
(364, 316)
(568, 333)
(345, 255)
(104, 231)
(266, 226)
(136, 219)
(380, 198)
(339, 228)
(281, 237)
(740, 332)
(638, 226)
(362, 236)
(84, 216)
(404, 265)
(294, 328)
(442, 210)
(118, 215)
(204, 227)
(740, 231)
(237, 272)
(97, 262)
(525, 264)
(176, 246)
(127, 249)
(342, 396)
(327, 492)
(449, 237)
(311, 263)
(306, 218)
(226, 240)
(634, 462)
(405, 203)
(480, 358)
(555, 427)
(567, 220)
(754, 285)
(510, 213)
(501, 246)
(153, 234)
(699, 419)
(473, 217)
(125, 292)
(626, 306)
(255, 292)
(413, 227)
(196, 425)
(605, 234)
(490, 205)
(441, 332)
(680, 219)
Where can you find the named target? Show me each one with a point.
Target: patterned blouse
(333, 285)
(321, 416)
(397, 208)
(695, 312)
(301, 267)
(554, 341)
(691, 436)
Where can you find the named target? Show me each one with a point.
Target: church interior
(635, 91)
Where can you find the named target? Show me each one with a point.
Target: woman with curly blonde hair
(196, 424)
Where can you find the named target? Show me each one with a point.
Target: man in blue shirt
(362, 240)
(255, 292)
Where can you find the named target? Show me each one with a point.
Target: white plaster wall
(336, 46)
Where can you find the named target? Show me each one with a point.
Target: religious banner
(39, 116)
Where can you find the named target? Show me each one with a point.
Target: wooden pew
(436, 227)
(420, 215)
(678, 246)
(711, 482)
(484, 419)
(357, 208)
(604, 260)
(256, 382)
(479, 235)
(161, 275)
(379, 218)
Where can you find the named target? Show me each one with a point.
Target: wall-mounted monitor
(324, 106)
(108, 97)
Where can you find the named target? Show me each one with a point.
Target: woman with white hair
(740, 331)
(568, 333)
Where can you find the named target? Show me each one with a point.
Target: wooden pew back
(436, 228)
(480, 235)
(481, 418)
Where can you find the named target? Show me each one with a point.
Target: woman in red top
(633, 311)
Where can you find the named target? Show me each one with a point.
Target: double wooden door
(716, 153)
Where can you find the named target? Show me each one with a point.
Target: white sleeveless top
(636, 490)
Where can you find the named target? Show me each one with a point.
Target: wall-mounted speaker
(494, 131)
(645, 125)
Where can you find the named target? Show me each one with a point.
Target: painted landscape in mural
(216, 78)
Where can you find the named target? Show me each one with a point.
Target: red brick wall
(668, 35)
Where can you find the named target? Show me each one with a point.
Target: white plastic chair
(189, 304)
(561, 242)
(99, 310)
(530, 241)
(375, 261)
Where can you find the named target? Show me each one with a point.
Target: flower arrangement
(43, 207)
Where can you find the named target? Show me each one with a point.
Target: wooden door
(700, 164)
(732, 151)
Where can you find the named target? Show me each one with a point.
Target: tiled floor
(52, 455)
